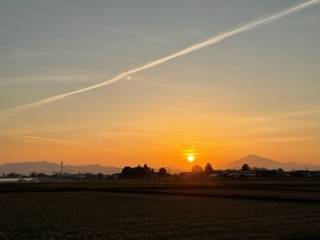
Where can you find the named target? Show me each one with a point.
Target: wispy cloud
(4, 84)
(300, 113)
(273, 140)
(8, 81)
(282, 116)
(37, 139)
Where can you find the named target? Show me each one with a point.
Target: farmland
(160, 210)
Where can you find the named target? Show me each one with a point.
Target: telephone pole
(61, 168)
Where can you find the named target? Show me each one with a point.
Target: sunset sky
(256, 92)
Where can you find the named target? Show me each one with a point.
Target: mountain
(49, 167)
(260, 162)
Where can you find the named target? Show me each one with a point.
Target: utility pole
(61, 168)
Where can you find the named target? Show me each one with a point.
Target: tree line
(143, 172)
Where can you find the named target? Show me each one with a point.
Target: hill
(49, 168)
(261, 162)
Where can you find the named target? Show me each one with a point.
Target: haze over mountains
(261, 162)
(49, 167)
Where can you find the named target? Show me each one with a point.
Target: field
(160, 210)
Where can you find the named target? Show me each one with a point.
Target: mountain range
(49, 168)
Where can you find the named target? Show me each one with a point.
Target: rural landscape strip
(267, 195)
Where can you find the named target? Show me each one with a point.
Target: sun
(190, 154)
(190, 158)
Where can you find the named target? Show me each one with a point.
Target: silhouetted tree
(136, 172)
(245, 167)
(162, 173)
(33, 174)
(196, 169)
(126, 172)
(42, 175)
(208, 169)
(14, 175)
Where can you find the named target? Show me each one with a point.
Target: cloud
(29, 138)
(9, 81)
(283, 116)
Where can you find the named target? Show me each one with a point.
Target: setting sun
(190, 158)
(190, 154)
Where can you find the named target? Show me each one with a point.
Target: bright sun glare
(190, 154)
(190, 158)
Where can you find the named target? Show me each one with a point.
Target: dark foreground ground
(160, 210)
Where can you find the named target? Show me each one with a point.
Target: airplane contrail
(215, 39)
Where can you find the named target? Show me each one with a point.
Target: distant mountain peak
(253, 160)
(252, 155)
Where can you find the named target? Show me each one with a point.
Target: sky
(256, 92)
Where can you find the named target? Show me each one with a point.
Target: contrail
(195, 47)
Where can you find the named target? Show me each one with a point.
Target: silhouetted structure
(208, 169)
(163, 173)
(61, 168)
(245, 167)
